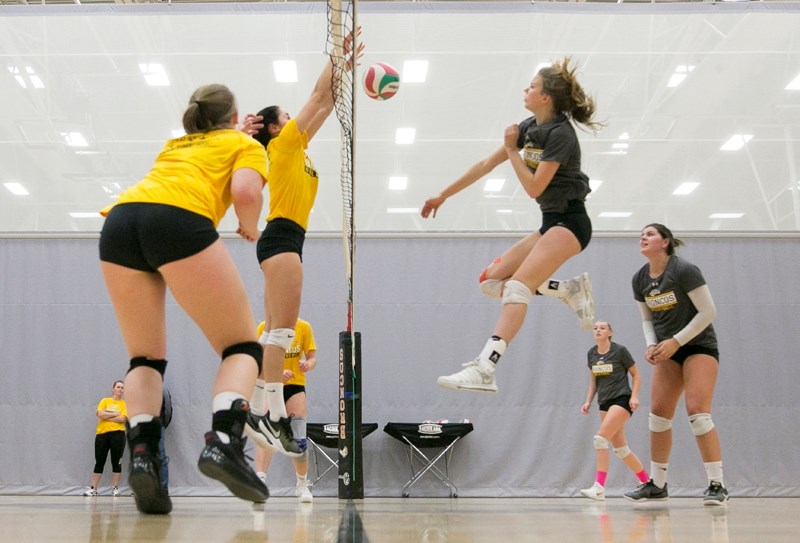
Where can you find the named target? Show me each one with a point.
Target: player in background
(609, 365)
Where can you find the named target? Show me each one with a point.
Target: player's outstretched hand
(431, 206)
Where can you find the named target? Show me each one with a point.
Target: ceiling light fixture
(84, 214)
(794, 84)
(615, 214)
(285, 71)
(414, 71)
(726, 216)
(398, 183)
(736, 142)
(594, 184)
(686, 188)
(494, 185)
(405, 136)
(402, 210)
(154, 74)
(74, 139)
(16, 189)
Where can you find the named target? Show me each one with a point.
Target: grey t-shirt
(555, 141)
(667, 296)
(610, 371)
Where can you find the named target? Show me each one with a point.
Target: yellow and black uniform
(302, 345)
(293, 183)
(174, 210)
(110, 436)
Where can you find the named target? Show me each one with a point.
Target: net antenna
(341, 24)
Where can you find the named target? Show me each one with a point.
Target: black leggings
(109, 441)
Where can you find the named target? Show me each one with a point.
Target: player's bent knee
(659, 424)
(701, 423)
(281, 337)
(251, 348)
(516, 292)
(159, 365)
(622, 452)
(600, 443)
(493, 288)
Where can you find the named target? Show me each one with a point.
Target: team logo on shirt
(658, 301)
(293, 352)
(309, 168)
(532, 157)
(599, 369)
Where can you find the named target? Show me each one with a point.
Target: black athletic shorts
(575, 219)
(147, 236)
(280, 236)
(291, 390)
(622, 401)
(686, 351)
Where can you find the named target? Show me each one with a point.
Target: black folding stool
(321, 435)
(429, 435)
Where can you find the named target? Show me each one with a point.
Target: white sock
(714, 471)
(136, 420)
(301, 479)
(491, 353)
(258, 403)
(658, 472)
(277, 408)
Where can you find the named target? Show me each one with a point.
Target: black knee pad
(253, 348)
(159, 365)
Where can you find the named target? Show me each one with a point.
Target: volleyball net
(342, 26)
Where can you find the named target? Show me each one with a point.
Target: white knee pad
(659, 424)
(282, 337)
(493, 288)
(264, 338)
(701, 423)
(516, 293)
(622, 452)
(600, 443)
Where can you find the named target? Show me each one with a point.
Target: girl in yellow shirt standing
(112, 414)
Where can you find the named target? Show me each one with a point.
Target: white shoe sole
(588, 319)
(443, 382)
(595, 497)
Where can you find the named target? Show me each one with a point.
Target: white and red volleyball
(381, 81)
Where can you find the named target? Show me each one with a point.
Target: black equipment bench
(429, 435)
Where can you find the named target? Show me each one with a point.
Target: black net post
(351, 465)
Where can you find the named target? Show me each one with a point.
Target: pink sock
(601, 477)
(643, 477)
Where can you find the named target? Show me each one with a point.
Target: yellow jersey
(194, 172)
(110, 404)
(303, 343)
(292, 178)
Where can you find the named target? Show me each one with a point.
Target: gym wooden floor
(389, 520)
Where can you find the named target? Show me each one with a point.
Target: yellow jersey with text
(303, 343)
(194, 172)
(292, 178)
